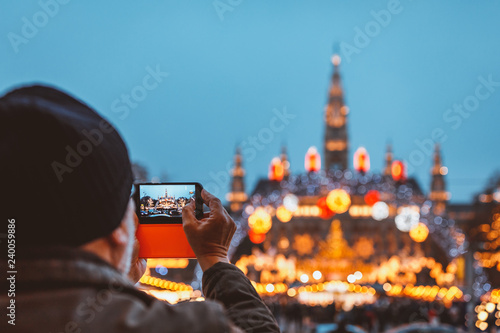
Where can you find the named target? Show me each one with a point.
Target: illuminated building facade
(333, 221)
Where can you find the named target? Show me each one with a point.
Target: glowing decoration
(317, 275)
(483, 315)
(361, 160)
(283, 243)
(372, 197)
(303, 244)
(312, 161)
(325, 212)
(398, 171)
(338, 201)
(291, 202)
(419, 233)
(283, 214)
(255, 237)
(380, 211)
(260, 221)
(304, 278)
(364, 247)
(276, 170)
(407, 219)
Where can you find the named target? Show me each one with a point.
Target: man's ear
(119, 236)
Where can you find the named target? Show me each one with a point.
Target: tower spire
(388, 161)
(438, 185)
(336, 143)
(285, 162)
(237, 196)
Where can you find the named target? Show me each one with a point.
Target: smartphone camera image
(159, 209)
(163, 203)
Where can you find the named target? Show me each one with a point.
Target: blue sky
(228, 71)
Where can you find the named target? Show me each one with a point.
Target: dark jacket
(69, 290)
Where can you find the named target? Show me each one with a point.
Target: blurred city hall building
(347, 235)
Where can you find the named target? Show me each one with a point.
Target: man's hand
(209, 237)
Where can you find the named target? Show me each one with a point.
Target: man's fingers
(210, 200)
(188, 215)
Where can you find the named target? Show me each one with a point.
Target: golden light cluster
(260, 221)
(426, 293)
(419, 232)
(283, 214)
(164, 284)
(487, 309)
(330, 286)
(404, 271)
(490, 233)
(488, 259)
(338, 201)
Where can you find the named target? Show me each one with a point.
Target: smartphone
(159, 209)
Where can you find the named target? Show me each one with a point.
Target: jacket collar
(65, 266)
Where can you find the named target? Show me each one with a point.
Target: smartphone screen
(163, 203)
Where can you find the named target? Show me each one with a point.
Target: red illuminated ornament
(372, 197)
(361, 160)
(255, 237)
(312, 161)
(325, 212)
(398, 171)
(276, 170)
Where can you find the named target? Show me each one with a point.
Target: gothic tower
(237, 196)
(438, 185)
(285, 162)
(336, 141)
(388, 161)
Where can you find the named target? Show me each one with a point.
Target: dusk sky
(233, 65)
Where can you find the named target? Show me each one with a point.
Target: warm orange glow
(255, 237)
(312, 161)
(168, 263)
(338, 201)
(260, 221)
(419, 233)
(283, 214)
(398, 171)
(372, 197)
(276, 170)
(325, 212)
(361, 160)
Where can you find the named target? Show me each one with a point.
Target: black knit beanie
(66, 174)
